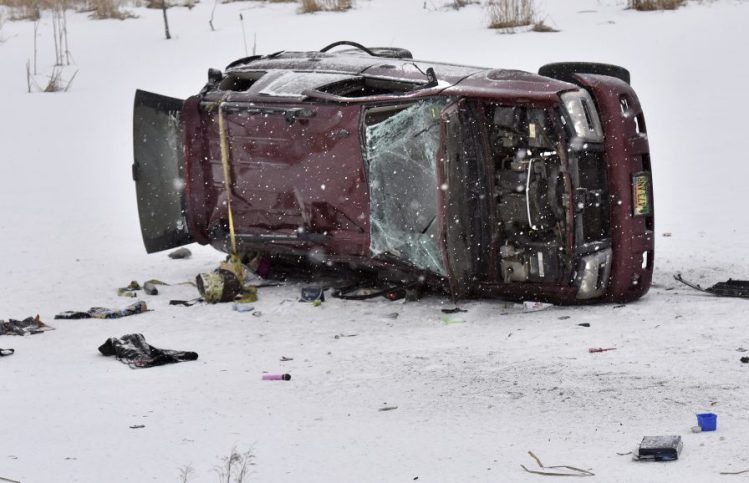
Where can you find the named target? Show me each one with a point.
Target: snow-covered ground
(472, 396)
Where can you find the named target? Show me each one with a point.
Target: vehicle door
(158, 171)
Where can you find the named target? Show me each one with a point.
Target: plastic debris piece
(584, 324)
(535, 306)
(448, 321)
(150, 288)
(731, 288)
(7, 352)
(453, 311)
(659, 448)
(388, 408)
(240, 307)
(696, 429)
(593, 350)
(707, 421)
(276, 377)
(180, 253)
(745, 360)
(312, 294)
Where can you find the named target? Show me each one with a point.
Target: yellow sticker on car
(641, 197)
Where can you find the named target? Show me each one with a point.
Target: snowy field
(472, 396)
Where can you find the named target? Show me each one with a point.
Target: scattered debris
(564, 317)
(624, 454)
(286, 359)
(659, 448)
(740, 349)
(27, 326)
(388, 408)
(666, 234)
(276, 377)
(186, 303)
(312, 294)
(9, 480)
(707, 421)
(620, 306)
(731, 288)
(219, 286)
(137, 426)
(105, 313)
(453, 311)
(734, 472)
(448, 321)
(150, 287)
(240, 307)
(133, 350)
(745, 360)
(593, 350)
(393, 315)
(571, 470)
(7, 352)
(696, 429)
(130, 290)
(338, 336)
(535, 306)
(584, 324)
(180, 253)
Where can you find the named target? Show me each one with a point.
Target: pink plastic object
(276, 377)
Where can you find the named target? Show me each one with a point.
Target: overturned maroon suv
(480, 182)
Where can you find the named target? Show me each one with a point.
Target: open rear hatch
(158, 171)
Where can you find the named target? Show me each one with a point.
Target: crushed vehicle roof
(290, 74)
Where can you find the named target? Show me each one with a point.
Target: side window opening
(239, 81)
(364, 87)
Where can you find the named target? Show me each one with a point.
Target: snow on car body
(480, 181)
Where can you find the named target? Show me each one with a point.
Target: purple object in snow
(276, 377)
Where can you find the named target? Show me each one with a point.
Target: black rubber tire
(565, 71)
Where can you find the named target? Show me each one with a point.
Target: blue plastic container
(707, 421)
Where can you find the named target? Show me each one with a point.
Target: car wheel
(565, 71)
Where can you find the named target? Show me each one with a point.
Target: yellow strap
(227, 185)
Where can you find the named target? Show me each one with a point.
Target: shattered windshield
(401, 156)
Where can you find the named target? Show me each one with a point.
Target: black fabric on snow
(133, 350)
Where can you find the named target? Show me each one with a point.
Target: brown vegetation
(311, 6)
(655, 4)
(31, 9)
(508, 14)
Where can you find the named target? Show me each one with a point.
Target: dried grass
(649, 5)
(100, 9)
(540, 26)
(312, 6)
(508, 14)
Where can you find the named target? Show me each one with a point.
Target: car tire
(565, 71)
(392, 52)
